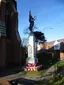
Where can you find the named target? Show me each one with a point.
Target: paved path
(30, 81)
(50, 71)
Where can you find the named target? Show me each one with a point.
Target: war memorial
(32, 60)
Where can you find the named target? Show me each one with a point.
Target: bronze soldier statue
(31, 21)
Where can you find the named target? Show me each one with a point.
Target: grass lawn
(33, 74)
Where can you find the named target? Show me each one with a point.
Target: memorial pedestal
(31, 61)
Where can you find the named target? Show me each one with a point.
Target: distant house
(50, 47)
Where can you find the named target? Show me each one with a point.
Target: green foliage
(45, 59)
(56, 80)
(59, 82)
(59, 64)
(39, 36)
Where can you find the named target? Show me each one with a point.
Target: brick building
(10, 42)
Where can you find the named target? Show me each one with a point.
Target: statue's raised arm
(31, 21)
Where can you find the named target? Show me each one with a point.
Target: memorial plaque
(31, 50)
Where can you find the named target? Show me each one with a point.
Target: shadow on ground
(23, 81)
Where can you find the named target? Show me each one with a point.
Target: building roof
(59, 40)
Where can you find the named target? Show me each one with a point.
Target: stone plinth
(31, 61)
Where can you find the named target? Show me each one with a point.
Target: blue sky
(49, 17)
